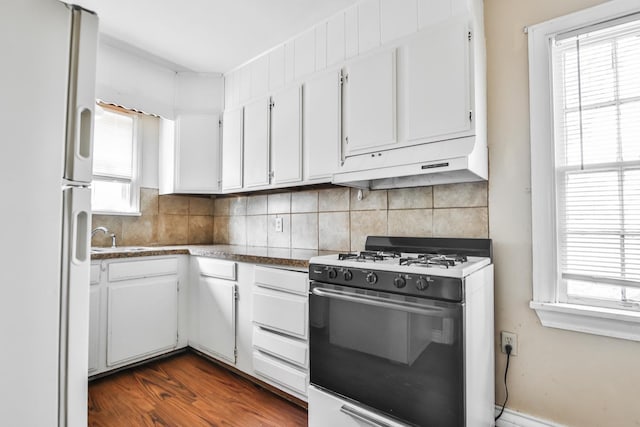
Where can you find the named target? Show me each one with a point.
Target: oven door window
(399, 355)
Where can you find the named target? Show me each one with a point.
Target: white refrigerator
(47, 98)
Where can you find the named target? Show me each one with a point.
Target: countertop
(252, 254)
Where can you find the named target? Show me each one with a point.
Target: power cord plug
(508, 349)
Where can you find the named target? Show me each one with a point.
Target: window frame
(134, 202)
(611, 322)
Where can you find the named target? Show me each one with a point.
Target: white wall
(134, 82)
(572, 378)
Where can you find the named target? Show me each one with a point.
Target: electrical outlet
(279, 224)
(509, 338)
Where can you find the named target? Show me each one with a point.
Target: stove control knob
(422, 284)
(372, 278)
(348, 275)
(332, 272)
(399, 282)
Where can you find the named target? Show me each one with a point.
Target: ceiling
(208, 35)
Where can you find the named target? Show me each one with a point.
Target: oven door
(398, 355)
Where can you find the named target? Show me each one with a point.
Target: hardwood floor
(186, 390)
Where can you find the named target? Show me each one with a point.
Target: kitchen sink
(119, 249)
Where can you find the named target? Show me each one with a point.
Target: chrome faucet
(105, 231)
(95, 230)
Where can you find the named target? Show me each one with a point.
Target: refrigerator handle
(81, 218)
(81, 107)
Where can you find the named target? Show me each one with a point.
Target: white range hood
(441, 162)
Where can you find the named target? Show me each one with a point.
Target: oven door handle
(354, 413)
(379, 302)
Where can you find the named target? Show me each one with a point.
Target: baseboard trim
(512, 418)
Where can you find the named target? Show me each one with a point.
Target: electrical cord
(508, 349)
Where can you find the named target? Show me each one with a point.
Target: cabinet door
(286, 139)
(142, 319)
(232, 149)
(197, 153)
(256, 143)
(217, 317)
(94, 327)
(370, 114)
(321, 124)
(437, 92)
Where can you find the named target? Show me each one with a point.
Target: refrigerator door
(74, 304)
(34, 41)
(82, 97)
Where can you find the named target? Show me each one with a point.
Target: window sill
(592, 320)
(112, 213)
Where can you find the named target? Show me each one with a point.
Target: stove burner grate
(429, 260)
(369, 256)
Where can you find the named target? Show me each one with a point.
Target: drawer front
(281, 373)
(139, 269)
(280, 311)
(289, 349)
(95, 274)
(285, 280)
(217, 268)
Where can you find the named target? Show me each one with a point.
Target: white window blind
(596, 92)
(115, 160)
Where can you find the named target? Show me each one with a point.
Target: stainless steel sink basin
(119, 249)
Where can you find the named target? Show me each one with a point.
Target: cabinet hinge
(346, 140)
(344, 79)
(235, 294)
(219, 123)
(469, 35)
(271, 105)
(178, 285)
(235, 355)
(470, 116)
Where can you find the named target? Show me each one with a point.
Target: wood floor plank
(187, 390)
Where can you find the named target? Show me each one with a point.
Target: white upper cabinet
(260, 76)
(398, 18)
(435, 77)
(189, 154)
(286, 136)
(305, 54)
(256, 143)
(335, 40)
(276, 68)
(321, 46)
(244, 91)
(369, 25)
(322, 122)
(351, 32)
(232, 149)
(370, 103)
(431, 12)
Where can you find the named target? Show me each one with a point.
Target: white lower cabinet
(217, 317)
(220, 310)
(135, 311)
(280, 335)
(94, 317)
(142, 319)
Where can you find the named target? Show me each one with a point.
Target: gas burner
(369, 256)
(429, 260)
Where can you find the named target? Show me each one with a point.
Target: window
(585, 167)
(115, 162)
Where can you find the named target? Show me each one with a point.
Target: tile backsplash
(164, 220)
(331, 219)
(335, 219)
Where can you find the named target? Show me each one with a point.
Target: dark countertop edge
(211, 253)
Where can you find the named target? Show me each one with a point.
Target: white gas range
(402, 334)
